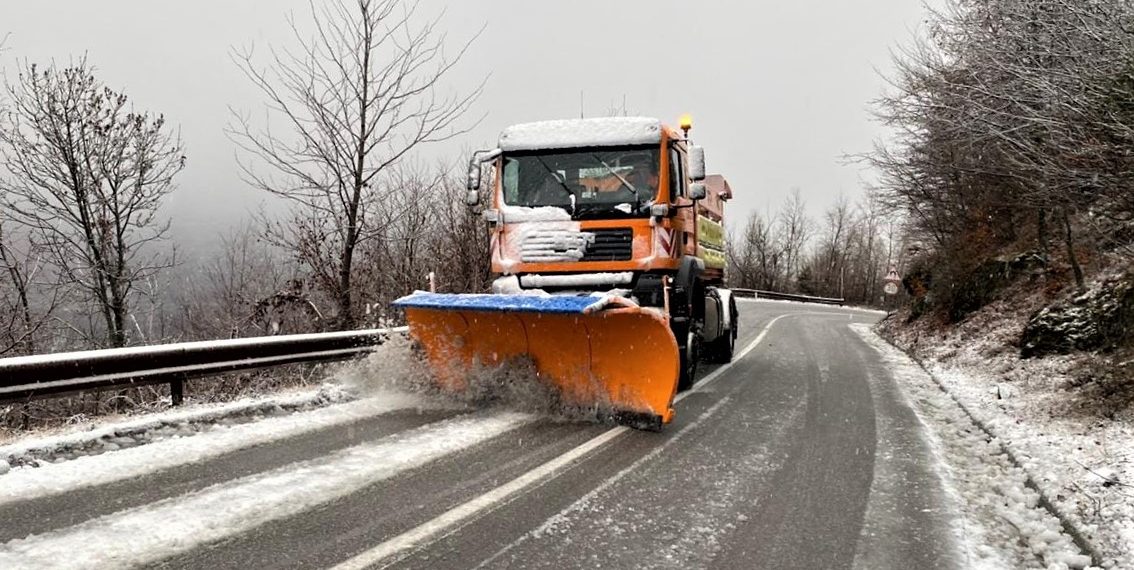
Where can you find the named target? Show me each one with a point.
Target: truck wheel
(720, 351)
(690, 355)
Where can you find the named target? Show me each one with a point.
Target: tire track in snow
(32, 483)
(180, 524)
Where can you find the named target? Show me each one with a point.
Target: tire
(689, 307)
(721, 350)
(690, 355)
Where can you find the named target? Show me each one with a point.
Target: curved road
(800, 454)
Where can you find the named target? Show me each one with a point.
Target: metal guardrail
(43, 375)
(25, 378)
(776, 296)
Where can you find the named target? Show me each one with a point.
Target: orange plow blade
(623, 357)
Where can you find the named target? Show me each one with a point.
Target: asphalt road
(800, 454)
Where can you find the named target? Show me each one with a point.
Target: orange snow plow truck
(608, 241)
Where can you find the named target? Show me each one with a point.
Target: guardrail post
(177, 391)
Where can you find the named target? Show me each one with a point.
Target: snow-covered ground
(114, 432)
(817, 306)
(981, 479)
(1081, 460)
(64, 458)
(183, 523)
(27, 482)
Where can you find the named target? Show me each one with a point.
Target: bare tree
(350, 101)
(1014, 128)
(245, 290)
(754, 258)
(21, 319)
(86, 177)
(793, 232)
(849, 258)
(462, 250)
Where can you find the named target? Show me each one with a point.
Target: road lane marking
(451, 520)
(455, 518)
(179, 525)
(735, 358)
(613, 479)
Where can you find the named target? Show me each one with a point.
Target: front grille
(610, 244)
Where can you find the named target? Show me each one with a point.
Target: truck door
(685, 222)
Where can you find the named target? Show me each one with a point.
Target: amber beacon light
(686, 123)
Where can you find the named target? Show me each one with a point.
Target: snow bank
(606, 131)
(88, 439)
(1032, 408)
(982, 478)
(29, 483)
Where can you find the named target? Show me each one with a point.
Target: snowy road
(801, 454)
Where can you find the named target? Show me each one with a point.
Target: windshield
(605, 181)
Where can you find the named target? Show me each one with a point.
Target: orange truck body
(657, 267)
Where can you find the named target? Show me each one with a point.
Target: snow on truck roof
(607, 131)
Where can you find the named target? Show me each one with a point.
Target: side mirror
(697, 191)
(472, 183)
(696, 163)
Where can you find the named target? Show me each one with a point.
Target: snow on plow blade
(605, 352)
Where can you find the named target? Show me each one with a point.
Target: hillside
(1048, 369)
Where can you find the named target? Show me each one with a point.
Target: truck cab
(612, 203)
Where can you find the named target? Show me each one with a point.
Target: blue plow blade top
(501, 303)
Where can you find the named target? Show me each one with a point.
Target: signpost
(891, 284)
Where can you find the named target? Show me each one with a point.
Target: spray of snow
(399, 366)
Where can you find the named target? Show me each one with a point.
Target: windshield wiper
(555, 175)
(623, 181)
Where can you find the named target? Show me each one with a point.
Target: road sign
(892, 280)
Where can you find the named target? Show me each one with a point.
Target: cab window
(676, 172)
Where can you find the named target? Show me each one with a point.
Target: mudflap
(608, 355)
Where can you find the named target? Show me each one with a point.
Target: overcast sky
(779, 90)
